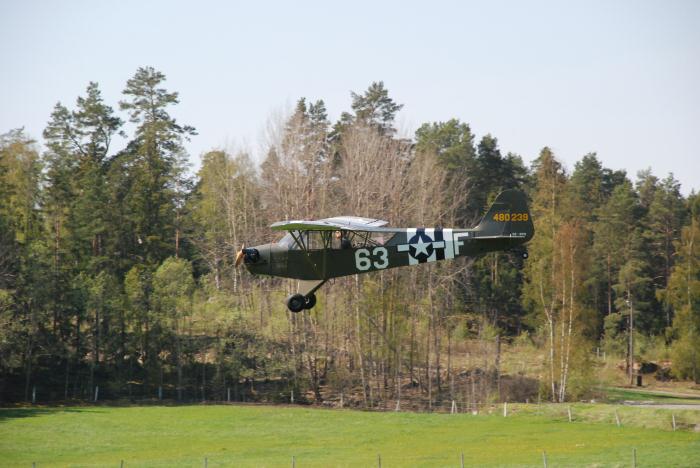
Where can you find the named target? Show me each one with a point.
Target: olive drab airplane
(316, 251)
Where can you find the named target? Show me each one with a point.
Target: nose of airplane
(265, 259)
(256, 259)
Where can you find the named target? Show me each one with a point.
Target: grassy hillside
(270, 436)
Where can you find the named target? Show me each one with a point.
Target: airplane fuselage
(313, 251)
(411, 247)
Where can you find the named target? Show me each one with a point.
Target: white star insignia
(421, 247)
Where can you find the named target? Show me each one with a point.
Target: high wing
(339, 223)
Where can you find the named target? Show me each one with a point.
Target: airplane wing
(345, 223)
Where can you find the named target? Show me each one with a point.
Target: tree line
(117, 264)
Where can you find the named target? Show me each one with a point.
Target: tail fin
(508, 216)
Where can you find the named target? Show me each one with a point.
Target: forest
(117, 277)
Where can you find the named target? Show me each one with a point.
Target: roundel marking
(421, 246)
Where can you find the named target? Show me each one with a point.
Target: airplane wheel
(310, 301)
(296, 303)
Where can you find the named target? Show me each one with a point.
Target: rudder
(508, 216)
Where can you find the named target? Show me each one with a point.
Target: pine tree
(78, 212)
(156, 161)
(646, 186)
(586, 187)
(663, 224)
(611, 179)
(496, 277)
(375, 108)
(617, 220)
(77, 201)
(452, 144)
(683, 294)
(631, 291)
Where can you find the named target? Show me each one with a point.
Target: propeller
(240, 255)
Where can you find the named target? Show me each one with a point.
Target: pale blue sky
(621, 78)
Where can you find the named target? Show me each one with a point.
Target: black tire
(296, 303)
(525, 255)
(310, 301)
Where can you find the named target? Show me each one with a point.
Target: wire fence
(620, 416)
(673, 417)
(546, 459)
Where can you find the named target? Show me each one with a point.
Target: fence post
(462, 460)
(33, 394)
(294, 462)
(379, 460)
(453, 410)
(568, 410)
(291, 398)
(341, 400)
(617, 418)
(121, 464)
(228, 394)
(505, 409)
(544, 458)
(634, 458)
(97, 392)
(673, 419)
(160, 392)
(206, 462)
(398, 405)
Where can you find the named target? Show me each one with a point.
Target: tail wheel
(310, 301)
(296, 303)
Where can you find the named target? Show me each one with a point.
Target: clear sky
(621, 78)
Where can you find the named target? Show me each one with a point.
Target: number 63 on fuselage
(316, 251)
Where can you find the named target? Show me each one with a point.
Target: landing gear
(310, 301)
(296, 303)
(305, 299)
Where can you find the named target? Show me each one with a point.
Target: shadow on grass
(28, 412)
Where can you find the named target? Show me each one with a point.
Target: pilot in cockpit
(342, 241)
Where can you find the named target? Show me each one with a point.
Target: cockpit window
(288, 241)
(366, 238)
(313, 240)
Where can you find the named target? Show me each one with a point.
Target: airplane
(316, 251)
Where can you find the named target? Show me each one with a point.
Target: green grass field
(270, 436)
